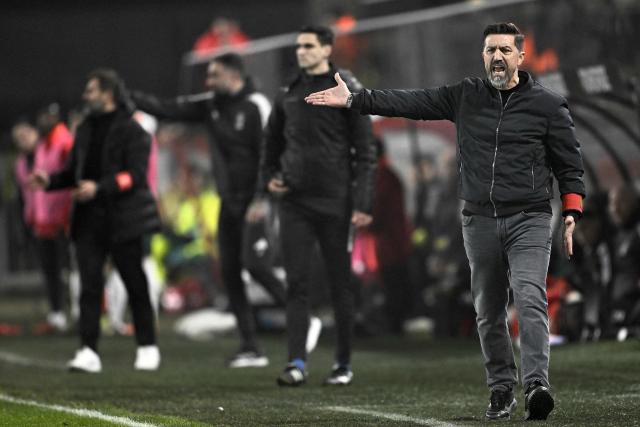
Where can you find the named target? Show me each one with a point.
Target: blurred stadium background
(585, 50)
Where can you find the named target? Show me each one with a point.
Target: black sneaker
(340, 375)
(501, 405)
(292, 376)
(538, 402)
(248, 359)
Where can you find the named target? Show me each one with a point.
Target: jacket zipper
(533, 178)
(495, 152)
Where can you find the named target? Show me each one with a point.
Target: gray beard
(500, 82)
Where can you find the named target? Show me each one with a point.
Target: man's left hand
(361, 219)
(85, 191)
(569, 226)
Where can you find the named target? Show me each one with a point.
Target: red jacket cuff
(572, 202)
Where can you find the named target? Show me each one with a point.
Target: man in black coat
(513, 135)
(112, 212)
(235, 115)
(312, 159)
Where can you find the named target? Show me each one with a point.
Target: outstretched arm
(422, 104)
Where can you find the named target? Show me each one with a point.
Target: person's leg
(50, 261)
(127, 257)
(489, 290)
(258, 260)
(298, 240)
(230, 242)
(333, 235)
(91, 255)
(528, 247)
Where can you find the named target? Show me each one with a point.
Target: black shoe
(248, 359)
(292, 376)
(538, 402)
(340, 375)
(501, 405)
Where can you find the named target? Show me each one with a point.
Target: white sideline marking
(17, 359)
(432, 422)
(88, 413)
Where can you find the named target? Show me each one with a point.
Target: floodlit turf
(430, 382)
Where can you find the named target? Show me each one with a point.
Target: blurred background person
(46, 214)
(235, 114)
(312, 161)
(624, 208)
(113, 210)
(391, 230)
(222, 33)
(593, 266)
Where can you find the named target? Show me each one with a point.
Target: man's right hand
(38, 180)
(335, 97)
(277, 187)
(257, 211)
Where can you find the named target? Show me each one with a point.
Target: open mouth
(498, 68)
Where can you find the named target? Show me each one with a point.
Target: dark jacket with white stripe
(235, 123)
(122, 186)
(506, 155)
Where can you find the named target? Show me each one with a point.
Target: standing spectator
(113, 211)
(624, 208)
(593, 266)
(235, 114)
(392, 234)
(222, 33)
(46, 214)
(512, 134)
(308, 161)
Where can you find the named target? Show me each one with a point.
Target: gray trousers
(510, 251)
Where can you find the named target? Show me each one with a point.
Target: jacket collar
(302, 76)
(528, 84)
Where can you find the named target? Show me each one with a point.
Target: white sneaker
(58, 321)
(85, 360)
(147, 358)
(313, 333)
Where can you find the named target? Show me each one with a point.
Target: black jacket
(129, 205)
(320, 151)
(505, 154)
(236, 127)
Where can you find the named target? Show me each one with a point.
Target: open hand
(334, 97)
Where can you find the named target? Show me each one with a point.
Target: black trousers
(53, 255)
(301, 229)
(93, 245)
(232, 240)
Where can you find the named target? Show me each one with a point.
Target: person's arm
(365, 163)
(185, 108)
(566, 163)
(273, 146)
(425, 104)
(64, 178)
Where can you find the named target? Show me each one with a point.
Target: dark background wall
(48, 47)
